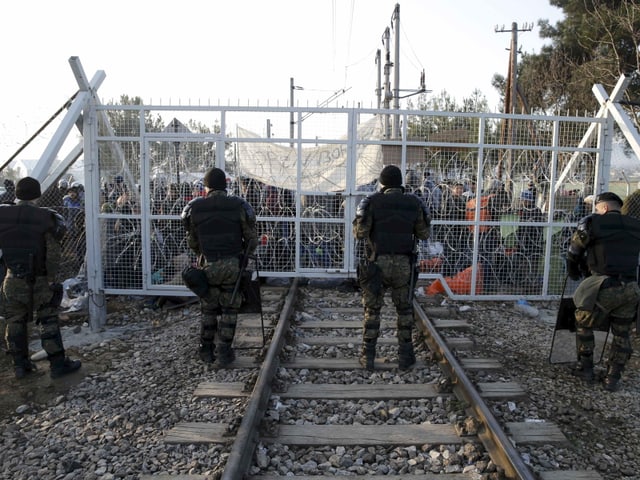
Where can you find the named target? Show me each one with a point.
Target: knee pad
(621, 348)
(17, 338)
(208, 327)
(50, 337)
(621, 326)
(584, 335)
(619, 355)
(227, 326)
(404, 334)
(585, 341)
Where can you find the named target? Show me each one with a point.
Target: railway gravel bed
(111, 420)
(317, 311)
(603, 428)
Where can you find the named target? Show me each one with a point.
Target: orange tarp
(460, 283)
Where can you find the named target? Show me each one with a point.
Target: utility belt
(379, 254)
(617, 281)
(215, 257)
(21, 263)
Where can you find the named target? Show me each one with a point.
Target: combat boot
(61, 365)
(23, 367)
(406, 356)
(225, 354)
(612, 379)
(208, 327)
(226, 331)
(206, 352)
(368, 355)
(584, 369)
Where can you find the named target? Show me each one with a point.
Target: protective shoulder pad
(585, 223)
(425, 211)
(186, 211)
(248, 208)
(59, 225)
(363, 206)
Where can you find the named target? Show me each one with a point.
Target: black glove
(584, 269)
(57, 293)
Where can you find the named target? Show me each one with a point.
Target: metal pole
(176, 147)
(177, 151)
(291, 121)
(387, 84)
(510, 100)
(514, 65)
(396, 73)
(379, 82)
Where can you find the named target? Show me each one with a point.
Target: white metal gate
(305, 190)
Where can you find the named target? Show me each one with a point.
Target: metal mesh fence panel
(505, 192)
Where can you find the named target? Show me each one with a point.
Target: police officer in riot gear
(390, 222)
(30, 242)
(220, 228)
(605, 248)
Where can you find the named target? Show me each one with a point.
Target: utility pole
(292, 121)
(379, 81)
(396, 72)
(387, 84)
(392, 129)
(510, 100)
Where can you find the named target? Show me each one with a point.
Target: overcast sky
(201, 51)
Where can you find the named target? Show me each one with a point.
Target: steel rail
(491, 434)
(246, 438)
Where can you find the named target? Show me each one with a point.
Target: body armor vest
(217, 222)
(22, 238)
(615, 245)
(394, 216)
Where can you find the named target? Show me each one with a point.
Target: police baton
(413, 259)
(243, 264)
(31, 282)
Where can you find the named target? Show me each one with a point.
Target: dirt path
(37, 389)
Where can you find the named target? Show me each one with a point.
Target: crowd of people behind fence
(514, 241)
(449, 201)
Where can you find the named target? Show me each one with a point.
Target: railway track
(306, 406)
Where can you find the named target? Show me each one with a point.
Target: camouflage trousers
(221, 276)
(387, 272)
(16, 297)
(615, 306)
